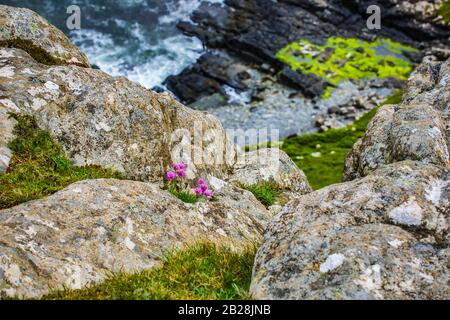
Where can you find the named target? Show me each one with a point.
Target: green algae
(348, 59)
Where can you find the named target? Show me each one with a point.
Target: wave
(146, 52)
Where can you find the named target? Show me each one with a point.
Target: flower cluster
(203, 189)
(179, 170)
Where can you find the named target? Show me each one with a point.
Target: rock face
(382, 236)
(77, 235)
(417, 129)
(23, 28)
(112, 122)
(270, 165)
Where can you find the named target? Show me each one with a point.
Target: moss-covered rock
(346, 59)
(26, 30)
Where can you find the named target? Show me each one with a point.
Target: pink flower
(204, 187)
(208, 194)
(179, 166)
(170, 175)
(181, 173)
(201, 182)
(198, 191)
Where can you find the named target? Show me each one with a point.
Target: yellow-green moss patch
(346, 59)
(444, 11)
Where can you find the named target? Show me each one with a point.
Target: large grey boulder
(111, 121)
(385, 236)
(416, 129)
(80, 234)
(270, 165)
(23, 28)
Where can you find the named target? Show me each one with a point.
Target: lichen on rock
(26, 30)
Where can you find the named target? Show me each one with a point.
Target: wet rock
(80, 234)
(207, 76)
(190, 86)
(24, 29)
(310, 84)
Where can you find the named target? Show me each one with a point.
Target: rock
(385, 233)
(112, 122)
(207, 76)
(270, 165)
(78, 235)
(416, 129)
(385, 236)
(310, 84)
(253, 31)
(6, 133)
(24, 29)
(190, 86)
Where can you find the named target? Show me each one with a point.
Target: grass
(202, 271)
(185, 196)
(265, 192)
(321, 156)
(39, 167)
(444, 11)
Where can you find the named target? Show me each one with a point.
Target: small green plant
(322, 155)
(39, 167)
(202, 271)
(265, 192)
(184, 196)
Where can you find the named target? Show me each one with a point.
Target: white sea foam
(147, 57)
(181, 10)
(237, 97)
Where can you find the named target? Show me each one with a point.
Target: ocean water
(133, 38)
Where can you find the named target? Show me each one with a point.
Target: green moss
(444, 11)
(203, 271)
(265, 192)
(38, 166)
(37, 53)
(322, 155)
(346, 59)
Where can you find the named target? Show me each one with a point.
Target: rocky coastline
(243, 82)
